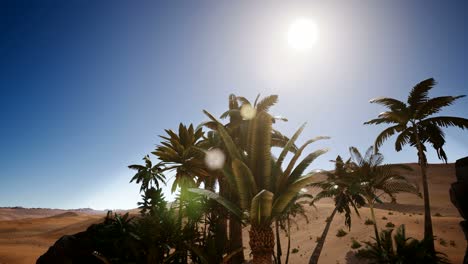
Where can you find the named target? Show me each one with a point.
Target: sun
(303, 33)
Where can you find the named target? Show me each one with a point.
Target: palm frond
(266, 103)
(435, 105)
(446, 121)
(419, 93)
(384, 135)
(391, 103)
(261, 208)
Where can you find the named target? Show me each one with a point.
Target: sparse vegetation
(355, 244)
(384, 218)
(368, 222)
(442, 242)
(438, 215)
(390, 225)
(294, 250)
(341, 233)
(452, 243)
(400, 249)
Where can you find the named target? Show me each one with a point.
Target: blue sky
(86, 87)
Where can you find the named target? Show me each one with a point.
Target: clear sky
(87, 87)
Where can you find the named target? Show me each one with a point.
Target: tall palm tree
(416, 125)
(256, 177)
(345, 190)
(377, 179)
(237, 128)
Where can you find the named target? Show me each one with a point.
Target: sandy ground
(25, 234)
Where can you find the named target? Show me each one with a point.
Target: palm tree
(377, 179)
(148, 175)
(178, 152)
(237, 128)
(416, 125)
(344, 189)
(264, 189)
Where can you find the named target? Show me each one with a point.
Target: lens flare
(214, 159)
(248, 112)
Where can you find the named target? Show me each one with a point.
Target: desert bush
(369, 222)
(355, 244)
(390, 225)
(341, 233)
(400, 249)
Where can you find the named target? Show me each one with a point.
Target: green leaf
(245, 182)
(291, 191)
(260, 210)
(235, 210)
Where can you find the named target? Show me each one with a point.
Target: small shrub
(384, 218)
(341, 233)
(355, 244)
(399, 248)
(368, 222)
(317, 239)
(442, 242)
(390, 213)
(452, 243)
(390, 225)
(438, 215)
(294, 250)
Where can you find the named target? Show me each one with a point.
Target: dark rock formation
(73, 249)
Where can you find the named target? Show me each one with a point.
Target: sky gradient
(86, 88)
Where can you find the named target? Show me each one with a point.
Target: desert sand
(25, 234)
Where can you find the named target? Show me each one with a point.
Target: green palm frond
(235, 210)
(266, 103)
(446, 121)
(403, 138)
(245, 182)
(396, 117)
(292, 189)
(419, 93)
(243, 100)
(259, 151)
(302, 166)
(289, 145)
(379, 121)
(435, 105)
(387, 133)
(389, 102)
(261, 208)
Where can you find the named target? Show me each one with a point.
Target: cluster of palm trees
(251, 186)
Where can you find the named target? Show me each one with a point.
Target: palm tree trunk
(289, 242)
(376, 230)
(235, 237)
(262, 244)
(318, 248)
(428, 232)
(278, 243)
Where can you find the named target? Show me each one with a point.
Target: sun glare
(303, 33)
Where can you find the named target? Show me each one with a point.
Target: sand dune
(25, 234)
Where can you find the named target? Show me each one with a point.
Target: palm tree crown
(416, 117)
